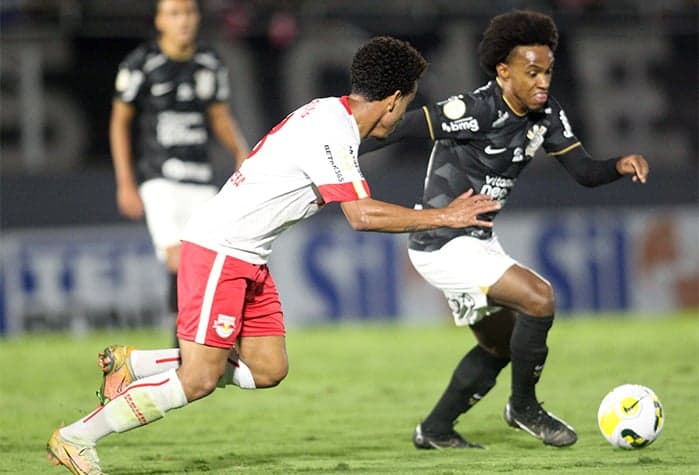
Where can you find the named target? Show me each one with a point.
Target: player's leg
(261, 361)
(172, 262)
(532, 297)
(264, 362)
(161, 201)
(463, 269)
(524, 291)
(474, 376)
(213, 289)
(144, 401)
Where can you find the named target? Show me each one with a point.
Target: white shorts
(168, 206)
(464, 269)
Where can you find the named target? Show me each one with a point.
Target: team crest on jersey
(454, 108)
(224, 325)
(185, 92)
(536, 138)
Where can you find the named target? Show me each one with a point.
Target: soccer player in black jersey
(175, 90)
(482, 141)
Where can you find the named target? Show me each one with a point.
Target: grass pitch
(353, 397)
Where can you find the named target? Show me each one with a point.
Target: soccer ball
(631, 416)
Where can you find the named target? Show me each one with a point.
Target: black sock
(172, 302)
(528, 353)
(473, 377)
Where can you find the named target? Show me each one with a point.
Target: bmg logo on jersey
(467, 123)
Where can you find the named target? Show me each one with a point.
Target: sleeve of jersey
(223, 90)
(559, 138)
(130, 78)
(458, 117)
(337, 176)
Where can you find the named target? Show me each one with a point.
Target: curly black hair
(512, 29)
(385, 65)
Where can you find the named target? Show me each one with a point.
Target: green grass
(353, 397)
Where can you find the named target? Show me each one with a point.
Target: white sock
(242, 376)
(149, 362)
(144, 401)
(238, 374)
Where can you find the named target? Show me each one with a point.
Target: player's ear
(393, 99)
(502, 70)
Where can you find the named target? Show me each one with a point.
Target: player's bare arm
(128, 200)
(635, 165)
(226, 129)
(373, 215)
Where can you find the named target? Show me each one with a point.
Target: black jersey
(171, 99)
(481, 143)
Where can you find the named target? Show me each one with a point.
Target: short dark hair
(516, 28)
(385, 65)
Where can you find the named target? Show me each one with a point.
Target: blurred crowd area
(626, 73)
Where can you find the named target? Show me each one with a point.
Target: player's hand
(129, 202)
(467, 207)
(634, 165)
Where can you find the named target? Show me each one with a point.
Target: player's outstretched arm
(373, 215)
(634, 165)
(227, 131)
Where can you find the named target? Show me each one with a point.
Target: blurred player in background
(227, 297)
(175, 90)
(482, 141)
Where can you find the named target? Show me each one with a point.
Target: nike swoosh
(493, 151)
(160, 89)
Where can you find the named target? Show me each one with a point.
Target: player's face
(394, 114)
(178, 21)
(526, 77)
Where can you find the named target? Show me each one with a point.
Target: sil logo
(224, 325)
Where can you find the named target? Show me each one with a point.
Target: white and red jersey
(307, 160)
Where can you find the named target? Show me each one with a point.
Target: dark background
(59, 59)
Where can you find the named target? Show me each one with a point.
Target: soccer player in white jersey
(230, 322)
(175, 90)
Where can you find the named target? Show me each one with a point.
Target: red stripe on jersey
(345, 102)
(343, 192)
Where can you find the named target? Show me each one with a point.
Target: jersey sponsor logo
(237, 178)
(331, 160)
(494, 151)
(467, 123)
(180, 128)
(497, 187)
(176, 169)
(162, 88)
(224, 325)
(454, 108)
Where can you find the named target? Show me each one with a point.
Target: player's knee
(198, 382)
(270, 377)
(541, 301)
